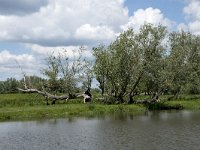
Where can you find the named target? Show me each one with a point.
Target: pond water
(165, 130)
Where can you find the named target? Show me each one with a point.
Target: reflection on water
(152, 131)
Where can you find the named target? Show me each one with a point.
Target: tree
(87, 74)
(101, 66)
(52, 73)
(122, 65)
(130, 59)
(151, 42)
(114, 64)
(64, 75)
(178, 60)
(194, 66)
(150, 60)
(9, 86)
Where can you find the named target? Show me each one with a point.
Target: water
(152, 131)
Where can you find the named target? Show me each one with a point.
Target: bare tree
(63, 73)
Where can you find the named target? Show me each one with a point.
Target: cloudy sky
(32, 29)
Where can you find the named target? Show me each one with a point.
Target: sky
(30, 30)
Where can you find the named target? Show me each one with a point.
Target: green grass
(19, 100)
(67, 110)
(32, 107)
(186, 104)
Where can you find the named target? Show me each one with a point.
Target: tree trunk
(177, 92)
(131, 101)
(54, 98)
(102, 91)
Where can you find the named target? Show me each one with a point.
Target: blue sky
(32, 29)
(172, 9)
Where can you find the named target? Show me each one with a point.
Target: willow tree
(131, 58)
(184, 61)
(151, 41)
(193, 84)
(52, 73)
(101, 66)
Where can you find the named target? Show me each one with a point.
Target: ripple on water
(154, 130)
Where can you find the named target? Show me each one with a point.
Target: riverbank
(67, 110)
(31, 107)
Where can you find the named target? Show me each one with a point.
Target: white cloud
(7, 57)
(99, 33)
(182, 27)
(34, 63)
(192, 9)
(192, 12)
(68, 51)
(194, 27)
(149, 15)
(62, 22)
(9, 64)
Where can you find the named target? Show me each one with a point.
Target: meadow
(33, 107)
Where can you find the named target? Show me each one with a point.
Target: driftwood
(54, 98)
(86, 98)
(47, 95)
(86, 95)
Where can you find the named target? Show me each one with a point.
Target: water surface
(152, 131)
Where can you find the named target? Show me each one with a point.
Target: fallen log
(47, 95)
(54, 98)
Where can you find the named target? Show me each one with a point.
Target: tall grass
(19, 100)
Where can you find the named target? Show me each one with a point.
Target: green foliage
(52, 72)
(150, 61)
(164, 106)
(184, 62)
(9, 86)
(101, 66)
(29, 107)
(64, 73)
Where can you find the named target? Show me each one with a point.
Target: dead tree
(48, 96)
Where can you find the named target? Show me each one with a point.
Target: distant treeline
(11, 84)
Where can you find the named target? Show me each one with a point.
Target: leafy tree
(87, 74)
(179, 66)
(130, 59)
(66, 73)
(9, 86)
(151, 43)
(52, 72)
(101, 66)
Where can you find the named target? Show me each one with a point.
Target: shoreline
(22, 107)
(67, 111)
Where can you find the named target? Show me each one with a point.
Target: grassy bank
(31, 107)
(67, 110)
(187, 102)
